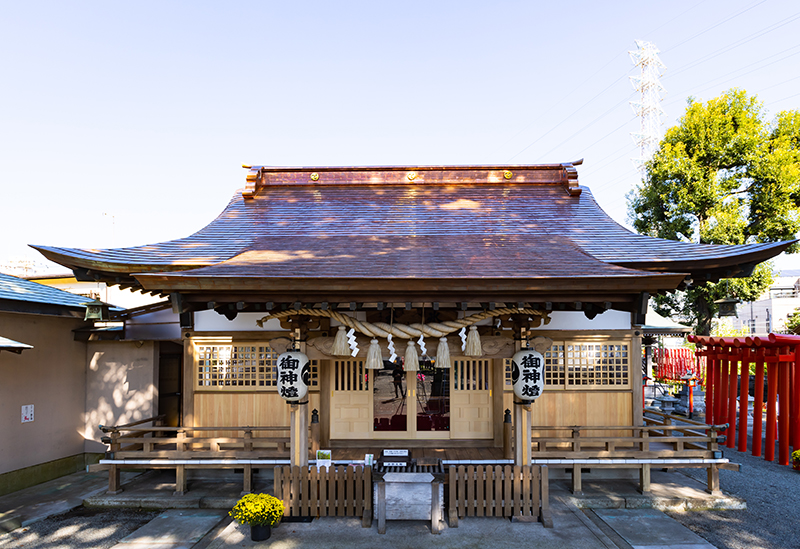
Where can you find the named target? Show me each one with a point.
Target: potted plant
(796, 460)
(260, 511)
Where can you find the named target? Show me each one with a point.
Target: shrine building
(484, 260)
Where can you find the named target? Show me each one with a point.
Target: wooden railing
(132, 446)
(661, 442)
(337, 491)
(511, 491)
(189, 442)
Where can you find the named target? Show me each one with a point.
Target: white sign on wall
(27, 413)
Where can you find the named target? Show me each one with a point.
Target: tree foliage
(723, 175)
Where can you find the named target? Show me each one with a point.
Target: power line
(709, 84)
(575, 88)
(785, 98)
(735, 45)
(590, 123)
(565, 119)
(609, 133)
(715, 26)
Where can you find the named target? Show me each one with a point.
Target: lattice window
(554, 366)
(248, 367)
(471, 375)
(350, 375)
(597, 364)
(507, 371)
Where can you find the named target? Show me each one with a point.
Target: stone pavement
(609, 514)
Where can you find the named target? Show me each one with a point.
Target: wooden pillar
(713, 469)
(381, 507)
(180, 480)
(113, 480)
(635, 374)
(188, 375)
(298, 435)
(758, 403)
(522, 434)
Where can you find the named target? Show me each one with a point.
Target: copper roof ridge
(394, 167)
(259, 177)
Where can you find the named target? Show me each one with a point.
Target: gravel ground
(772, 518)
(80, 528)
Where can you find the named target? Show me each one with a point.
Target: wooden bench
(663, 444)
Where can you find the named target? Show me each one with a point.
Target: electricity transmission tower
(647, 108)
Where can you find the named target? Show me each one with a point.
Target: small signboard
(27, 413)
(395, 458)
(324, 459)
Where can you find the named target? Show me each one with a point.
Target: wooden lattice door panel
(471, 399)
(351, 402)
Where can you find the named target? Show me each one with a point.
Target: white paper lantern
(527, 374)
(294, 374)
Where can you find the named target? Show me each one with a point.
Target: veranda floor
(461, 454)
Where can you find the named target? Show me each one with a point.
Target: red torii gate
(728, 357)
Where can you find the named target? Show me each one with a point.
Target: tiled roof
(18, 289)
(13, 346)
(449, 227)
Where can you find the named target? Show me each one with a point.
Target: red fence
(729, 361)
(673, 364)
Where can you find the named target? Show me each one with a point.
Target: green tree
(723, 175)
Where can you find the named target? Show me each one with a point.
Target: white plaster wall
(52, 377)
(211, 321)
(576, 320)
(121, 386)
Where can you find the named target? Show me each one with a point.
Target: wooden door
(351, 402)
(471, 398)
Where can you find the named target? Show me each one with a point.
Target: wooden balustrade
(189, 442)
(132, 446)
(659, 442)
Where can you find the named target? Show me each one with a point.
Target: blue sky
(127, 123)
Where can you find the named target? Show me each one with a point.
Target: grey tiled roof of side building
(11, 345)
(18, 289)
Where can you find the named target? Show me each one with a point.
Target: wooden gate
(499, 491)
(338, 491)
